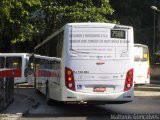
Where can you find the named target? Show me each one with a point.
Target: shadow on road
(32, 105)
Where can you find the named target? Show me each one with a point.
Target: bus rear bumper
(120, 97)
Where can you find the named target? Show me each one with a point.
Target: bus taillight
(129, 80)
(69, 79)
(148, 73)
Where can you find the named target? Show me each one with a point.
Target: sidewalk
(150, 87)
(24, 100)
(153, 86)
(147, 93)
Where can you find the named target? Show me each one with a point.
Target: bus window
(141, 53)
(2, 62)
(145, 54)
(13, 62)
(41, 63)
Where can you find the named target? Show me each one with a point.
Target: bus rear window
(13, 62)
(141, 53)
(2, 62)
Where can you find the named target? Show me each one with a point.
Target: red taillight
(69, 79)
(129, 80)
(148, 73)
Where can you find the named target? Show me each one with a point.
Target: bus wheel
(48, 100)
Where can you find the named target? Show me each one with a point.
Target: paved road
(141, 105)
(146, 102)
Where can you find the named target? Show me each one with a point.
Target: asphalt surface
(25, 99)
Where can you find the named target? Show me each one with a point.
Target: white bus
(141, 64)
(14, 65)
(41, 66)
(94, 64)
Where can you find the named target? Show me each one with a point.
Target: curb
(147, 88)
(23, 86)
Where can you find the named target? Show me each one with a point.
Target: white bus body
(14, 65)
(141, 64)
(41, 66)
(95, 63)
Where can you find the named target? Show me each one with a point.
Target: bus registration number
(99, 89)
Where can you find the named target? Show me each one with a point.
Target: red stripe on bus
(45, 73)
(11, 73)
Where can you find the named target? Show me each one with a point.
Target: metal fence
(6, 91)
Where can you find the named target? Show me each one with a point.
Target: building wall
(155, 72)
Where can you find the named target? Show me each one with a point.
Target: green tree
(34, 20)
(16, 24)
(136, 13)
(56, 13)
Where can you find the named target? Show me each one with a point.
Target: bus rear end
(141, 64)
(14, 65)
(98, 63)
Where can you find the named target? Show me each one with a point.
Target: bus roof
(136, 44)
(46, 57)
(95, 23)
(14, 54)
(110, 25)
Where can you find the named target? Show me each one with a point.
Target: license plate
(99, 89)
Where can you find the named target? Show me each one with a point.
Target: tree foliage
(25, 20)
(137, 13)
(16, 18)
(56, 13)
